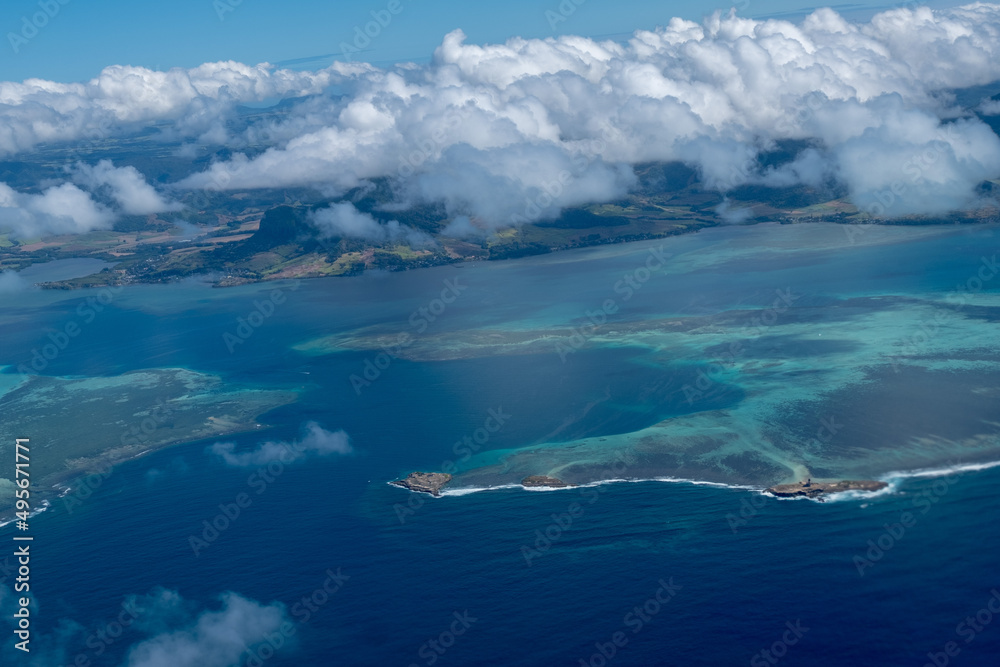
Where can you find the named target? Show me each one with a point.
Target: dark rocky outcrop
(542, 480)
(424, 482)
(282, 224)
(820, 489)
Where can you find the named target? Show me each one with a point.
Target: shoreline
(893, 478)
(217, 280)
(62, 484)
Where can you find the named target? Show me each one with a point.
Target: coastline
(62, 484)
(219, 280)
(166, 407)
(894, 479)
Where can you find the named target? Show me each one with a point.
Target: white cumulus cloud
(344, 220)
(316, 441)
(990, 108)
(71, 207)
(123, 97)
(507, 133)
(216, 638)
(519, 131)
(126, 186)
(61, 209)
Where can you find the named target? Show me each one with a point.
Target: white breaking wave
(894, 480)
(35, 512)
(958, 468)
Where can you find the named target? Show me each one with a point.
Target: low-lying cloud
(158, 629)
(60, 209)
(11, 282)
(97, 197)
(315, 441)
(345, 221)
(126, 186)
(214, 638)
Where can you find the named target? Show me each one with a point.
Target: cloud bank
(69, 209)
(510, 133)
(62, 209)
(126, 186)
(316, 441)
(518, 131)
(121, 98)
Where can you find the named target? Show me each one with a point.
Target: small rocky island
(424, 482)
(543, 481)
(810, 489)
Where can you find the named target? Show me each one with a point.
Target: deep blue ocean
(629, 573)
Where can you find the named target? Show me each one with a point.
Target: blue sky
(84, 36)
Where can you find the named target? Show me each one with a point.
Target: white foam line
(893, 479)
(698, 482)
(460, 491)
(464, 491)
(858, 495)
(45, 505)
(940, 472)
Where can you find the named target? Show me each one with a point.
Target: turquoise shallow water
(742, 566)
